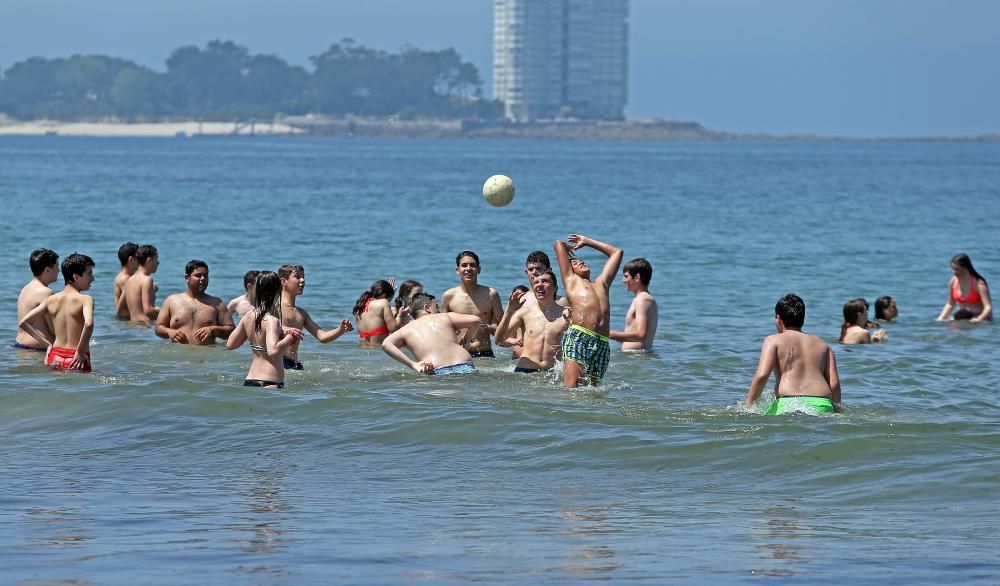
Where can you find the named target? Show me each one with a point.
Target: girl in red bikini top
(975, 304)
(373, 315)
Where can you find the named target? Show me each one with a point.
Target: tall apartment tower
(551, 57)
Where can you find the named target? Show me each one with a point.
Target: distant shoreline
(629, 130)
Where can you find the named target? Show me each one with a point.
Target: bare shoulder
(212, 300)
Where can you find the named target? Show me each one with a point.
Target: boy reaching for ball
(585, 346)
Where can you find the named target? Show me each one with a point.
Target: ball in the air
(498, 191)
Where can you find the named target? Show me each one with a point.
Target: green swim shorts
(590, 349)
(800, 403)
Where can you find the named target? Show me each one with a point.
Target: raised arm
(984, 292)
(949, 305)
(613, 253)
(563, 254)
(507, 322)
(765, 365)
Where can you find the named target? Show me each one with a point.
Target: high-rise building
(561, 57)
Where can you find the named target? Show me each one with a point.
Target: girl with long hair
(268, 340)
(373, 316)
(968, 293)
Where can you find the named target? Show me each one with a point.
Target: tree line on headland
(224, 81)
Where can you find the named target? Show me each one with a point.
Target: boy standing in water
(293, 284)
(44, 265)
(69, 314)
(541, 324)
(130, 264)
(194, 317)
(139, 294)
(643, 314)
(804, 365)
(585, 345)
(431, 336)
(471, 298)
(244, 303)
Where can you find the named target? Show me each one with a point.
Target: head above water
(267, 291)
(380, 289)
(856, 312)
(546, 277)
(193, 265)
(75, 266)
(639, 267)
(42, 259)
(127, 251)
(791, 310)
(407, 290)
(536, 263)
(250, 280)
(422, 303)
(885, 308)
(146, 252)
(580, 267)
(465, 253)
(962, 263)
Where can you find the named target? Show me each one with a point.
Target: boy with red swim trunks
(69, 314)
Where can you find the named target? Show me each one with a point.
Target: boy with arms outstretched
(585, 345)
(69, 314)
(804, 365)
(293, 284)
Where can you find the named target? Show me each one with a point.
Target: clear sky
(833, 67)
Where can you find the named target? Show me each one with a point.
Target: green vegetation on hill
(224, 80)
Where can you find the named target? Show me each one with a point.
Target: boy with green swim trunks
(585, 345)
(803, 364)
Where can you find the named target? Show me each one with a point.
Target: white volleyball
(498, 190)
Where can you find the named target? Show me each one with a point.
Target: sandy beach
(151, 129)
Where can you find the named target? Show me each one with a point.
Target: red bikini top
(972, 298)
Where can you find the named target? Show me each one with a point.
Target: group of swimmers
(540, 327)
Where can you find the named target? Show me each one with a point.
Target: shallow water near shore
(159, 468)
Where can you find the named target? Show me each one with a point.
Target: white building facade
(561, 58)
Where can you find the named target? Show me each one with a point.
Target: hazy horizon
(847, 68)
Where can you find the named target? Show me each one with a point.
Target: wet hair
(380, 288)
(250, 278)
(418, 302)
(194, 265)
(555, 281)
(288, 270)
(267, 298)
(406, 292)
(539, 257)
(641, 267)
(145, 252)
(853, 309)
(42, 259)
(961, 259)
(881, 304)
(127, 251)
(792, 310)
(75, 264)
(521, 288)
(458, 259)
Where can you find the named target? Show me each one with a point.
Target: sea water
(159, 468)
